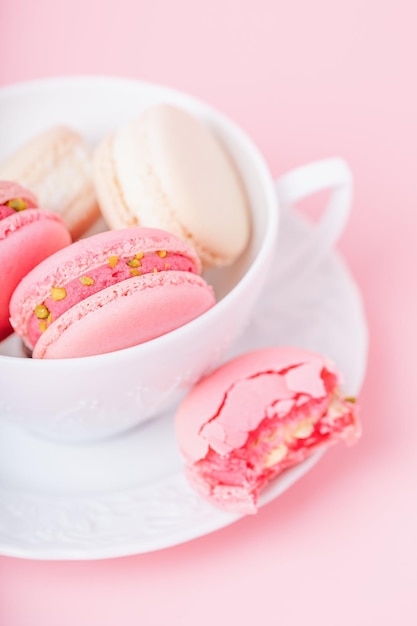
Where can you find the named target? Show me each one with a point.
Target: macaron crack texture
(264, 424)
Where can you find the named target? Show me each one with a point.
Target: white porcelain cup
(93, 397)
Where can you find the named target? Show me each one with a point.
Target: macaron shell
(26, 238)
(172, 172)
(112, 203)
(56, 166)
(208, 396)
(127, 314)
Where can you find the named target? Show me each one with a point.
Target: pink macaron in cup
(113, 290)
(27, 236)
(83, 397)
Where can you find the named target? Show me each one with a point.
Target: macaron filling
(14, 206)
(116, 270)
(281, 424)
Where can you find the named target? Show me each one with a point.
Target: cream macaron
(166, 169)
(56, 166)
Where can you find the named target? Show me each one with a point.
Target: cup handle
(333, 174)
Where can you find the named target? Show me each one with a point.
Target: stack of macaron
(174, 204)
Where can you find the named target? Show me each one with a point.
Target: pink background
(306, 80)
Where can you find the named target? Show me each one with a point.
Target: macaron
(169, 170)
(27, 236)
(109, 291)
(257, 415)
(56, 165)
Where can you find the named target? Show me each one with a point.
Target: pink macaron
(27, 236)
(256, 416)
(109, 291)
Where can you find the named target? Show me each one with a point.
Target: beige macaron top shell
(56, 165)
(169, 170)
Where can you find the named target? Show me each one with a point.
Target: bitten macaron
(167, 169)
(257, 415)
(56, 165)
(109, 291)
(27, 236)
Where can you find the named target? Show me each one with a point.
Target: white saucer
(128, 495)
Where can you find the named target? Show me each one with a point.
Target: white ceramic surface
(98, 396)
(128, 495)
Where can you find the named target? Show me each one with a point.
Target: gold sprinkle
(49, 319)
(43, 326)
(166, 266)
(41, 312)
(17, 204)
(134, 263)
(135, 272)
(351, 399)
(139, 256)
(86, 280)
(161, 253)
(58, 293)
(155, 270)
(113, 260)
